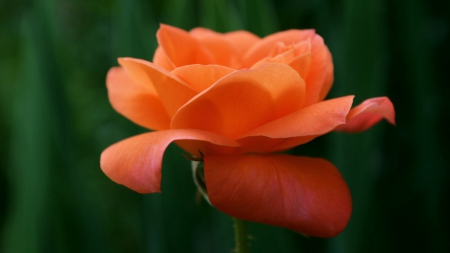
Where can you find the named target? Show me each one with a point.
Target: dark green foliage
(55, 120)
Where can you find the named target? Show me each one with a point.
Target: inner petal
(244, 100)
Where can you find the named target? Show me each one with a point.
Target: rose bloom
(238, 101)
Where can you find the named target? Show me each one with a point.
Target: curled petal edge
(136, 162)
(367, 114)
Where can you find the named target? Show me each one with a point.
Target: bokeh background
(55, 120)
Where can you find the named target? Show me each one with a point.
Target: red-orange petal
(171, 90)
(136, 162)
(243, 100)
(264, 47)
(136, 102)
(307, 195)
(181, 48)
(200, 77)
(243, 40)
(367, 114)
(313, 120)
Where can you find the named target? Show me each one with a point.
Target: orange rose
(240, 100)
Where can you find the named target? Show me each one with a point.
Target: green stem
(240, 235)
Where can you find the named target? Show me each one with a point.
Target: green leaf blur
(55, 120)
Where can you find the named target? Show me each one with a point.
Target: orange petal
(367, 114)
(313, 120)
(307, 195)
(171, 90)
(329, 76)
(181, 48)
(136, 102)
(243, 40)
(318, 71)
(263, 48)
(160, 58)
(224, 51)
(136, 162)
(243, 100)
(201, 77)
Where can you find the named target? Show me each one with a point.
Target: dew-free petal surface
(181, 48)
(263, 48)
(171, 90)
(225, 53)
(367, 114)
(307, 195)
(160, 58)
(134, 101)
(316, 119)
(200, 77)
(243, 100)
(243, 40)
(136, 162)
(318, 71)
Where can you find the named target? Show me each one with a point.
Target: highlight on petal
(225, 53)
(263, 48)
(136, 162)
(171, 90)
(243, 40)
(181, 48)
(316, 119)
(160, 58)
(139, 103)
(243, 100)
(307, 195)
(200, 77)
(367, 114)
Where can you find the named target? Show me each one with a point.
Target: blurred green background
(55, 120)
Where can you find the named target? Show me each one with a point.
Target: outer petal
(307, 195)
(243, 100)
(264, 47)
(200, 77)
(329, 76)
(181, 48)
(171, 90)
(136, 162)
(136, 102)
(318, 72)
(243, 40)
(316, 119)
(224, 51)
(367, 114)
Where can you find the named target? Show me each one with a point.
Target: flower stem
(240, 235)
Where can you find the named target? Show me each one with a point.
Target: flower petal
(313, 120)
(263, 48)
(171, 90)
(243, 40)
(243, 100)
(224, 51)
(181, 48)
(136, 102)
(307, 195)
(318, 71)
(200, 77)
(367, 114)
(136, 162)
(160, 58)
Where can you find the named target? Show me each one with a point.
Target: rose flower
(237, 101)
